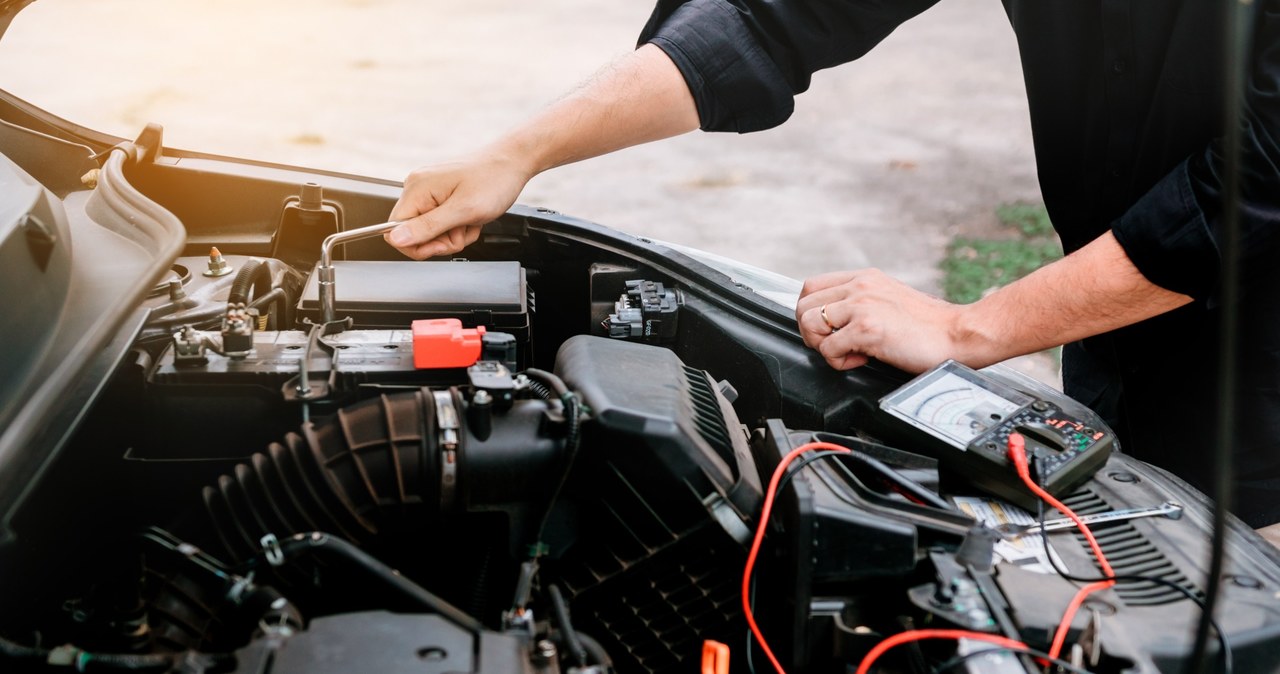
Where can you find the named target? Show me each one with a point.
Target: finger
(810, 330)
(824, 297)
(413, 235)
(813, 330)
(848, 361)
(840, 352)
(405, 210)
(428, 249)
(823, 281)
(417, 200)
(837, 346)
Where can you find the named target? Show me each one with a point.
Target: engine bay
(551, 455)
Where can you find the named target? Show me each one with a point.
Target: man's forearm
(639, 98)
(1094, 290)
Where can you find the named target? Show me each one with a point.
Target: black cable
(599, 656)
(1237, 17)
(14, 651)
(801, 463)
(1227, 660)
(86, 661)
(795, 467)
(541, 390)
(572, 409)
(961, 659)
(281, 300)
(550, 379)
(560, 609)
(321, 544)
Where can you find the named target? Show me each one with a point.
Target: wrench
(1168, 509)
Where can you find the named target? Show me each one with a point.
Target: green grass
(974, 266)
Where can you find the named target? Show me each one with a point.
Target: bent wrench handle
(1168, 508)
(327, 287)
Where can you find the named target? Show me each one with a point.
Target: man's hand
(875, 316)
(640, 98)
(1093, 290)
(444, 206)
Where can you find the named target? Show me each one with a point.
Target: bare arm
(640, 98)
(1093, 290)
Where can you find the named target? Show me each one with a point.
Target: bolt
(944, 594)
(217, 265)
(481, 397)
(175, 291)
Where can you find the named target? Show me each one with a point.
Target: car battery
(191, 400)
(391, 295)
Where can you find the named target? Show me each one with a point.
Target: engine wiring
(1227, 661)
(763, 524)
(1018, 455)
(751, 599)
(573, 409)
(823, 450)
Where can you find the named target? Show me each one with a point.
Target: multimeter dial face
(955, 405)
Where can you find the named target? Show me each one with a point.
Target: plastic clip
(272, 551)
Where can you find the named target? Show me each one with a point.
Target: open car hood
(571, 450)
(8, 10)
(74, 267)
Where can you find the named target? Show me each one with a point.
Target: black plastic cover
(391, 295)
(662, 417)
(378, 641)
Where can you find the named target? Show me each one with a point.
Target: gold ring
(823, 313)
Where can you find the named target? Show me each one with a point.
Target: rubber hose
(317, 480)
(376, 467)
(253, 274)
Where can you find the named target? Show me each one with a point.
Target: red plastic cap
(443, 342)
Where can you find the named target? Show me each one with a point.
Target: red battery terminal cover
(443, 342)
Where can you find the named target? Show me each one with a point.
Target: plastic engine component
(443, 342)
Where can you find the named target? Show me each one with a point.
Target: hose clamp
(448, 425)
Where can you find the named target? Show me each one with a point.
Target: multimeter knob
(1043, 434)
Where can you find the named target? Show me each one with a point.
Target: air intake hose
(386, 464)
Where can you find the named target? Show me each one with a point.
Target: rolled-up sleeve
(745, 60)
(1174, 233)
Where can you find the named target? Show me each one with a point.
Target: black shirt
(1125, 99)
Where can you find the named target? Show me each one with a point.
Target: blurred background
(916, 159)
